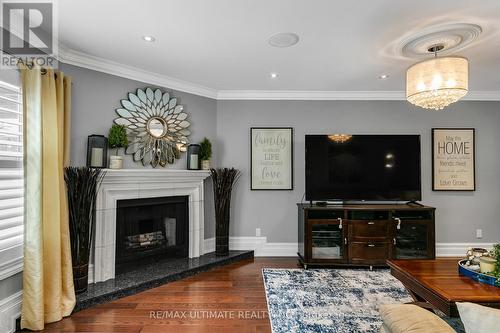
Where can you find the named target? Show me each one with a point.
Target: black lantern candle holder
(97, 151)
(193, 157)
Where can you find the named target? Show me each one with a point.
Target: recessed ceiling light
(149, 38)
(383, 76)
(274, 75)
(283, 39)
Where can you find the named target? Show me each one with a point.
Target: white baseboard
(258, 244)
(209, 245)
(10, 310)
(264, 249)
(458, 249)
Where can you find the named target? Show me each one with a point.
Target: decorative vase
(205, 165)
(223, 181)
(116, 162)
(82, 184)
(81, 277)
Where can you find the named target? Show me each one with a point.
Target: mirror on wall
(157, 126)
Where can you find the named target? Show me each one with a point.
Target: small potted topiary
(117, 138)
(205, 154)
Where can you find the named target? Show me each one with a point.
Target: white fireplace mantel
(139, 184)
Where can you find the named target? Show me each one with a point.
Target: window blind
(11, 172)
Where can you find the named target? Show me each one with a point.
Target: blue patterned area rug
(330, 300)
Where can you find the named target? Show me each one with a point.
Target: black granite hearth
(151, 276)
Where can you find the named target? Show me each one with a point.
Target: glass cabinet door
(411, 241)
(327, 241)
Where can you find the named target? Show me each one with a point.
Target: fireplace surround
(126, 184)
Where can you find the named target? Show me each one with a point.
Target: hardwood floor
(227, 299)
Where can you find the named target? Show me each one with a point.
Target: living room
(234, 166)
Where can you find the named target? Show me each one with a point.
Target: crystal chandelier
(436, 83)
(340, 138)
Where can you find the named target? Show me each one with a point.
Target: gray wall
(458, 214)
(96, 95)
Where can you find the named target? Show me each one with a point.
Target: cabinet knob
(345, 241)
(340, 222)
(399, 222)
(371, 223)
(394, 241)
(371, 245)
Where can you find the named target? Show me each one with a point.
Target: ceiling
(221, 46)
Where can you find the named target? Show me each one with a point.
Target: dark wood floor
(235, 293)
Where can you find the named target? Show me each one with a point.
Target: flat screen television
(363, 167)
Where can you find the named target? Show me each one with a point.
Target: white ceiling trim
(338, 95)
(72, 57)
(310, 95)
(482, 96)
(85, 60)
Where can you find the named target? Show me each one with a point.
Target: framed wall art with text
(453, 159)
(271, 154)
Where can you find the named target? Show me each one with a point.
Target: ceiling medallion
(436, 83)
(340, 138)
(157, 126)
(454, 37)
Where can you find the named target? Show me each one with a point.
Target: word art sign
(453, 159)
(272, 158)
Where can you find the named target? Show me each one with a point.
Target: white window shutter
(11, 179)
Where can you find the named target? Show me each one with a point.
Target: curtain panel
(48, 292)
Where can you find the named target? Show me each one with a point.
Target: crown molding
(493, 95)
(310, 95)
(295, 95)
(80, 59)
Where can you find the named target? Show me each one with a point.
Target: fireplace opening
(150, 229)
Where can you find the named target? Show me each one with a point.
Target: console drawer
(366, 230)
(369, 253)
(325, 214)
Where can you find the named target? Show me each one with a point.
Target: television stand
(364, 234)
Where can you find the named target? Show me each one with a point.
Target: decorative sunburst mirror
(157, 126)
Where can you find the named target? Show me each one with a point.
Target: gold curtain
(48, 291)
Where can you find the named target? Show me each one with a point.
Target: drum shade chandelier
(436, 83)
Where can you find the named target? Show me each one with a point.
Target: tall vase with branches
(82, 184)
(223, 182)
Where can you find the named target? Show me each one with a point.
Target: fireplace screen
(150, 229)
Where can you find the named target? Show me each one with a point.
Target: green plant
(495, 253)
(117, 137)
(205, 149)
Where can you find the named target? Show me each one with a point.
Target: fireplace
(150, 229)
(127, 184)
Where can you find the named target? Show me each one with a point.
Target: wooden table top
(441, 277)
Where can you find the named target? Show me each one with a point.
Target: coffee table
(436, 284)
